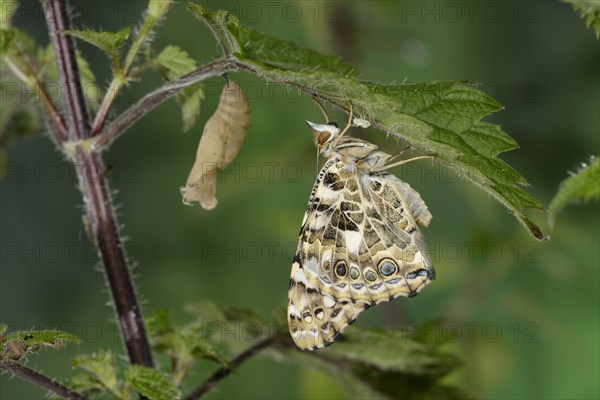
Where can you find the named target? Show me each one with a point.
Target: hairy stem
(40, 380)
(102, 224)
(58, 21)
(105, 235)
(122, 75)
(152, 100)
(223, 372)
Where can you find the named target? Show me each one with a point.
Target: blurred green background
(527, 312)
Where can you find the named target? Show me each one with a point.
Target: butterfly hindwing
(359, 245)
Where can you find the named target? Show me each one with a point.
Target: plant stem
(151, 100)
(223, 372)
(103, 227)
(122, 75)
(40, 380)
(106, 237)
(58, 21)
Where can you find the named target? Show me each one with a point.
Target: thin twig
(100, 211)
(59, 128)
(152, 100)
(58, 21)
(40, 380)
(123, 75)
(223, 372)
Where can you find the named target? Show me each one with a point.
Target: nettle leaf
(101, 369)
(158, 8)
(18, 344)
(159, 322)
(85, 383)
(109, 42)
(392, 350)
(175, 63)
(184, 344)
(581, 186)
(383, 364)
(151, 383)
(588, 10)
(442, 119)
(236, 323)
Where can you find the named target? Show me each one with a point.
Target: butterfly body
(359, 243)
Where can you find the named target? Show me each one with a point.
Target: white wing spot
(328, 301)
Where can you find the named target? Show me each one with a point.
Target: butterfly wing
(359, 245)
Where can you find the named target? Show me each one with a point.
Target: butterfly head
(324, 135)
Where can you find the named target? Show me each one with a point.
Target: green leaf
(391, 350)
(151, 383)
(6, 38)
(101, 368)
(184, 344)
(581, 186)
(382, 364)
(175, 63)
(442, 119)
(590, 11)
(85, 383)
(158, 8)
(159, 322)
(109, 42)
(18, 344)
(223, 25)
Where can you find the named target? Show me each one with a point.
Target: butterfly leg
(399, 153)
(348, 125)
(322, 109)
(401, 163)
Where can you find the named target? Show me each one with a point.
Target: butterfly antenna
(348, 125)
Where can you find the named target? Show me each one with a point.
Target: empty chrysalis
(221, 140)
(360, 122)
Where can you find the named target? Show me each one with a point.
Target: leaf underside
(442, 119)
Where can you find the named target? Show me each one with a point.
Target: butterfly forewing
(359, 245)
